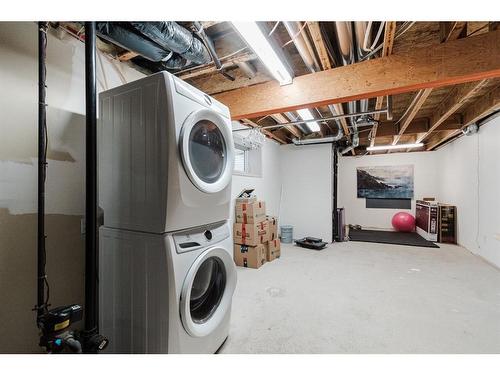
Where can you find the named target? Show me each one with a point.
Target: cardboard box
(250, 234)
(273, 250)
(246, 200)
(249, 256)
(254, 212)
(273, 227)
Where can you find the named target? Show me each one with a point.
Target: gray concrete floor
(356, 297)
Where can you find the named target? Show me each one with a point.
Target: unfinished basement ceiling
(432, 116)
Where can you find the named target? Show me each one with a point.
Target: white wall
(470, 179)
(306, 173)
(268, 185)
(458, 165)
(426, 184)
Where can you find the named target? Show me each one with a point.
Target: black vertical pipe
(335, 227)
(41, 308)
(90, 183)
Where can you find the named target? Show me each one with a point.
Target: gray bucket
(286, 233)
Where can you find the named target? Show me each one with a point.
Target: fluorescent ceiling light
(305, 114)
(257, 41)
(394, 147)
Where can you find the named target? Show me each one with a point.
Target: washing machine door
(207, 292)
(207, 150)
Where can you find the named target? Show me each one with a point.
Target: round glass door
(207, 150)
(207, 292)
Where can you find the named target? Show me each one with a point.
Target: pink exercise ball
(403, 222)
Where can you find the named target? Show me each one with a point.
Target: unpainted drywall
(65, 174)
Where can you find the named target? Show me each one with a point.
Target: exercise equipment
(311, 243)
(403, 222)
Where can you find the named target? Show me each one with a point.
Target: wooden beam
(458, 96)
(474, 112)
(446, 30)
(389, 34)
(281, 119)
(126, 56)
(464, 60)
(319, 44)
(267, 133)
(416, 105)
(211, 69)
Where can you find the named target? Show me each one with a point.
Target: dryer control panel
(197, 238)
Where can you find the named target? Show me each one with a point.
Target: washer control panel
(200, 237)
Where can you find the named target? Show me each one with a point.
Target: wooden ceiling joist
(281, 119)
(458, 96)
(459, 61)
(416, 105)
(389, 34)
(126, 56)
(446, 30)
(472, 113)
(419, 126)
(319, 44)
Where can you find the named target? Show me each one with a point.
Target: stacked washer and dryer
(166, 273)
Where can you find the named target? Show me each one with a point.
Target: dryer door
(207, 292)
(207, 150)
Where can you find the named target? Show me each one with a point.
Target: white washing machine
(167, 293)
(165, 156)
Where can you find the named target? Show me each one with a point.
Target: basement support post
(335, 159)
(92, 341)
(41, 307)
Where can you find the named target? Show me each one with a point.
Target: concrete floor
(356, 297)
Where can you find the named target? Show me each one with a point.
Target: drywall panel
(470, 180)
(65, 173)
(458, 180)
(425, 185)
(307, 190)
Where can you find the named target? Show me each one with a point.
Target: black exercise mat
(395, 238)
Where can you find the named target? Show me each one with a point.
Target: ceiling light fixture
(252, 34)
(394, 147)
(305, 114)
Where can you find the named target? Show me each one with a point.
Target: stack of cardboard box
(254, 234)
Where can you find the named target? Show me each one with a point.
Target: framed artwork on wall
(385, 182)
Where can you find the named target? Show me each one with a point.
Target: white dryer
(167, 293)
(165, 156)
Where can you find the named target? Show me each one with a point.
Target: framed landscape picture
(394, 182)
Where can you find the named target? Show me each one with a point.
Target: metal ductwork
(313, 141)
(168, 43)
(355, 143)
(211, 49)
